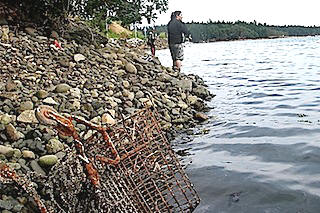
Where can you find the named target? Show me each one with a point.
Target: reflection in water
(262, 152)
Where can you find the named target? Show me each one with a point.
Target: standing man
(152, 41)
(176, 31)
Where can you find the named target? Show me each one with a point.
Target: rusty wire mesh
(149, 177)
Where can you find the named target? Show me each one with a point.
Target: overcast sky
(272, 12)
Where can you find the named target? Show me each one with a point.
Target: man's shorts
(176, 51)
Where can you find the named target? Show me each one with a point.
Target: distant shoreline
(243, 39)
(163, 43)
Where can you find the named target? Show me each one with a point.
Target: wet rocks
(201, 116)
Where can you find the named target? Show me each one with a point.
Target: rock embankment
(97, 82)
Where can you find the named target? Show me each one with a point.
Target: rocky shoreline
(99, 81)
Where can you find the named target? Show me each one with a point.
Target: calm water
(262, 152)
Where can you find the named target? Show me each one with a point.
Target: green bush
(163, 35)
(111, 34)
(140, 35)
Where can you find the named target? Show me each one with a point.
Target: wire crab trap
(149, 169)
(127, 167)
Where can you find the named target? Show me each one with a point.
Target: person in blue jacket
(177, 31)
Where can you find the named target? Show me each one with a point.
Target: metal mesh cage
(137, 170)
(149, 177)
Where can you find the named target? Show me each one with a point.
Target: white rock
(79, 57)
(28, 116)
(107, 119)
(50, 100)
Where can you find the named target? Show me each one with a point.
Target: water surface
(262, 152)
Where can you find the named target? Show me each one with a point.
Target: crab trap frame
(128, 167)
(150, 171)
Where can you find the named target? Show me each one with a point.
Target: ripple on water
(251, 102)
(318, 88)
(284, 106)
(287, 114)
(263, 145)
(255, 132)
(261, 95)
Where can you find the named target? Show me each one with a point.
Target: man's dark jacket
(175, 30)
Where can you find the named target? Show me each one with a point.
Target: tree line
(56, 12)
(224, 31)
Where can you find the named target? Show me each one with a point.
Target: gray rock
(61, 155)
(126, 84)
(54, 146)
(48, 160)
(175, 111)
(156, 61)
(62, 88)
(6, 204)
(6, 151)
(141, 61)
(128, 94)
(107, 119)
(42, 94)
(179, 120)
(183, 105)
(139, 67)
(27, 105)
(23, 165)
(43, 38)
(54, 34)
(28, 154)
(5, 119)
(120, 72)
(130, 68)
(202, 92)
(164, 77)
(37, 168)
(3, 21)
(139, 94)
(50, 101)
(17, 153)
(17, 208)
(192, 99)
(12, 133)
(201, 116)
(166, 126)
(185, 84)
(64, 62)
(170, 103)
(75, 92)
(28, 116)
(79, 57)
(15, 166)
(31, 31)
